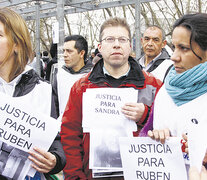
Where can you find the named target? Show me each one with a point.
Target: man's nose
(64, 53)
(116, 43)
(150, 42)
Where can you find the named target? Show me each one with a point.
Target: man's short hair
(114, 22)
(45, 53)
(158, 27)
(80, 43)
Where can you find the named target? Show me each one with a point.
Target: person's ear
(15, 49)
(164, 43)
(99, 47)
(205, 56)
(82, 53)
(141, 39)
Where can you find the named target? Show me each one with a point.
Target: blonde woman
(18, 79)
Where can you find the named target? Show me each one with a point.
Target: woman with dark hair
(182, 99)
(17, 79)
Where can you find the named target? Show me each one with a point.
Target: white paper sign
(144, 158)
(22, 127)
(197, 146)
(102, 107)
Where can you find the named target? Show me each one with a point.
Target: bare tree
(162, 13)
(68, 24)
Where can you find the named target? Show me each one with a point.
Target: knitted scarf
(188, 85)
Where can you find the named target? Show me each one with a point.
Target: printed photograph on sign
(13, 162)
(104, 148)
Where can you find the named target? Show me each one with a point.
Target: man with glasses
(118, 70)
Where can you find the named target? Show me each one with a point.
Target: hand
(43, 161)
(205, 159)
(185, 143)
(133, 111)
(195, 175)
(159, 135)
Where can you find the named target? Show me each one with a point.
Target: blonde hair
(17, 34)
(114, 22)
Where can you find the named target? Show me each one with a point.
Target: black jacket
(163, 56)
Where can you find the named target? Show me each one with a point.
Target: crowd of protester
(165, 85)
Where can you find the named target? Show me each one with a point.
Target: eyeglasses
(111, 39)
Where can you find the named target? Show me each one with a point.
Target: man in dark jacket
(76, 64)
(155, 59)
(53, 53)
(46, 60)
(117, 70)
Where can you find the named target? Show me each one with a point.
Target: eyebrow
(181, 44)
(67, 49)
(151, 37)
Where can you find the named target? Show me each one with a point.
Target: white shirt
(9, 87)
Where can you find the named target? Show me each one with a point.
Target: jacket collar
(84, 69)
(156, 61)
(135, 75)
(27, 82)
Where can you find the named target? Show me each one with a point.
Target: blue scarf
(188, 85)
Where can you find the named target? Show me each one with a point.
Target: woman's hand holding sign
(43, 161)
(195, 175)
(159, 135)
